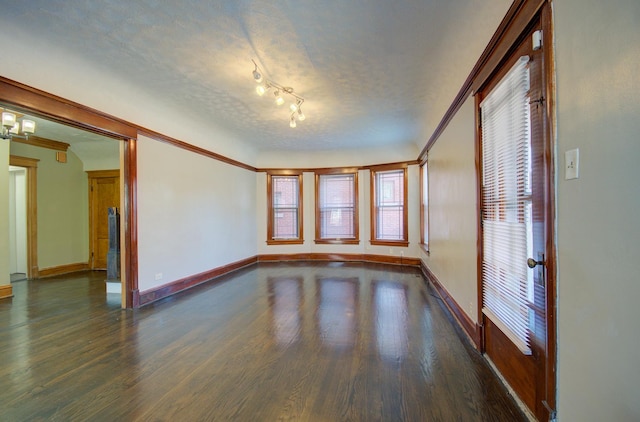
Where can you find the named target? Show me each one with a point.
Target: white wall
(308, 210)
(194, 213)
(341, 158)
(452, 210)
(598, 85)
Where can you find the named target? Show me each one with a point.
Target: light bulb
(279, 99)
(260, 89)
(292, 122)
(293, 107)
(8, 120)
(301, 115)
(28, 126)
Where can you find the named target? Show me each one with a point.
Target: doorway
(516, 234)
(17, 223)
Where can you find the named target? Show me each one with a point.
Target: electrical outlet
(572, 164)
(158, 276)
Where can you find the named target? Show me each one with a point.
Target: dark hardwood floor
(308, 342)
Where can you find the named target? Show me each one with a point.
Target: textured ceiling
(374, 73)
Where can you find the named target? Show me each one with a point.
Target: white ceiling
(374, 73)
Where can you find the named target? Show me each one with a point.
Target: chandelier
(279, 93)
(11, 126)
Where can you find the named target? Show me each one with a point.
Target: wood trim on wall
(192, 148)
(43, 104)
(42, 143)
(129, 225)
(174, 287)
(63, 269)
(6, 291)
(518, 16)
(341, 257)
(472, 329)
(324, 170)
(97, 174)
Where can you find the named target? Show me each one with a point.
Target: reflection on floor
(308, 342)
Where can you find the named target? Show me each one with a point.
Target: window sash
(506, 205)
(284, 208)
(389, 206)
(337, 211)
(424, 206)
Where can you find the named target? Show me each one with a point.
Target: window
(284, 192)
(507, 205)
(337, 207)
(424, 207)
(389, 207)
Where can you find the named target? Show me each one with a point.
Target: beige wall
(452, 211)
(598, 230)
(63, 207)
(194, 213)
(598, 81)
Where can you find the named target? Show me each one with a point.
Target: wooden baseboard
(473, 330)
(157, 293)
(378, 259)
(6, 291)
(63, 269)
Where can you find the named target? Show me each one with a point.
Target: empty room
(338, 211)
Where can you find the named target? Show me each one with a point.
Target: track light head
(256, 75)
(279, 99)
(279, 91)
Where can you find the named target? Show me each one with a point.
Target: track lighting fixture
(279, 93)
(11, 126)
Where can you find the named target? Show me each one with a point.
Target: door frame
(527, 14)
(31, 166)
(33, 101)
(91, 176)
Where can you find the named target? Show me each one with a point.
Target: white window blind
(389, 202)
(506, 205)
(336, 203)
(285, 191)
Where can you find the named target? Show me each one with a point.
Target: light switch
(571, 164)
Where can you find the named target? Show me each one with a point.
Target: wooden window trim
(374, 212)
(270, 240)
(424, 210)
(356, 214)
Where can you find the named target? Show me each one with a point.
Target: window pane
(336, 206)
(390, 205)
(285, 190)
(506, 201)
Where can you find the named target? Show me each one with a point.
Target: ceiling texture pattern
(374, 73)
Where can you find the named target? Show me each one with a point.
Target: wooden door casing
(529, 375)
(104, 193)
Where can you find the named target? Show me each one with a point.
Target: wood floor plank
(287, 342)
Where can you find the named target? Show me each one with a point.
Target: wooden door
(104, 193)
(525, 354)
